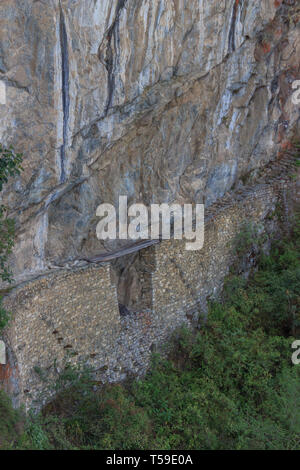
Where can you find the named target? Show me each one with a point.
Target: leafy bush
(10, 165)
(11, 423)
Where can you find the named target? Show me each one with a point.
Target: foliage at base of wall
(11, 423)
(229, 385)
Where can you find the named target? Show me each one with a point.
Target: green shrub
(11, 423)
(10, 165)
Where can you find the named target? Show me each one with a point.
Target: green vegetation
(11, 423)
(229, 385)
(10, 165)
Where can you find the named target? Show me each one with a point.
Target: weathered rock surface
(158, 100)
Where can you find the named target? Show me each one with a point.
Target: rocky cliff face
(159, 100)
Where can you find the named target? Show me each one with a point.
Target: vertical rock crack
(231, 39)
(111, 34)
(65, 92)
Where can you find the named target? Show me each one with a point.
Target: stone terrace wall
(184, 279)
(67, 315)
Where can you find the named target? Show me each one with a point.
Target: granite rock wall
(159, 100)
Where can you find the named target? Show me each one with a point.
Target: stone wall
(74, 315)
(184, 279)
(66, 315)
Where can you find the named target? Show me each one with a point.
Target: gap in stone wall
(131, 275)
